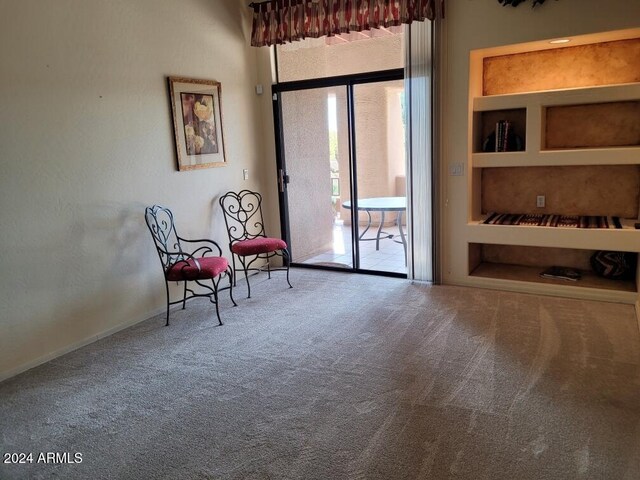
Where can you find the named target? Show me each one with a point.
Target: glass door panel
(381, 175)
(317, 163)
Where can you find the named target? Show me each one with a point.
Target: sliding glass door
(342, 171)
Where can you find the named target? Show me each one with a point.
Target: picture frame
(196, 107)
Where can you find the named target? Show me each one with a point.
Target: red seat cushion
(210, 267)
(258, 245)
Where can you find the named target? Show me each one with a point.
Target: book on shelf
(505, 136)
(503, 132)
(562, 273)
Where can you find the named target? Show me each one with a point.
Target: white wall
(473, 24)
(86, 143)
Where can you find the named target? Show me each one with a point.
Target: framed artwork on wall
(197, 122)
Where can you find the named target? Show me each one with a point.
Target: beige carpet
(343, 377)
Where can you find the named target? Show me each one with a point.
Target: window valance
(282, 21)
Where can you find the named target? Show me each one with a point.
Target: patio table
(382, 205)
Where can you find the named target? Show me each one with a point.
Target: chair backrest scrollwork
(163, 230)
(243, 215)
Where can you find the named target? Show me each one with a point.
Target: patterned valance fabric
(282, 21)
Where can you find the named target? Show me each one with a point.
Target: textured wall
(581, 66)
(86, 143)
(580, 190)
(597, 125)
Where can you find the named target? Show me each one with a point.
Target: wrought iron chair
(247, 238)
(203, 263)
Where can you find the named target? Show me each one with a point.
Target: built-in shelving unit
(579, 127)
(533, 106)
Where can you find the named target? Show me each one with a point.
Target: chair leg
(215, 296)
(235, 270)
(246, 275)
(268, 268)
(287, 259)
(230, 274)
(184, 298)
(166, 286)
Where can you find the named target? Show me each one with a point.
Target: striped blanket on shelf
(540, 220)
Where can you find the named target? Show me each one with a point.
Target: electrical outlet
(245, 173)
(540, 201)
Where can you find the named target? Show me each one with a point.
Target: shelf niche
(612, 124)
(609, 190)
(591, 65)
(486, 122)
(520, 263)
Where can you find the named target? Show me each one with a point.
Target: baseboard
(74, 346)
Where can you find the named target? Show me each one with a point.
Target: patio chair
(247, 238)
(178, 265)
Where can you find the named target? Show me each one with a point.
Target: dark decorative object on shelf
(614, 265)
(515, 3)
(514, 143)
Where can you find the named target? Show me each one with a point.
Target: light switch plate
(456, 169)
(540, 201)
(245, 173)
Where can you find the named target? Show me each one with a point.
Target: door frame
(349, 82)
